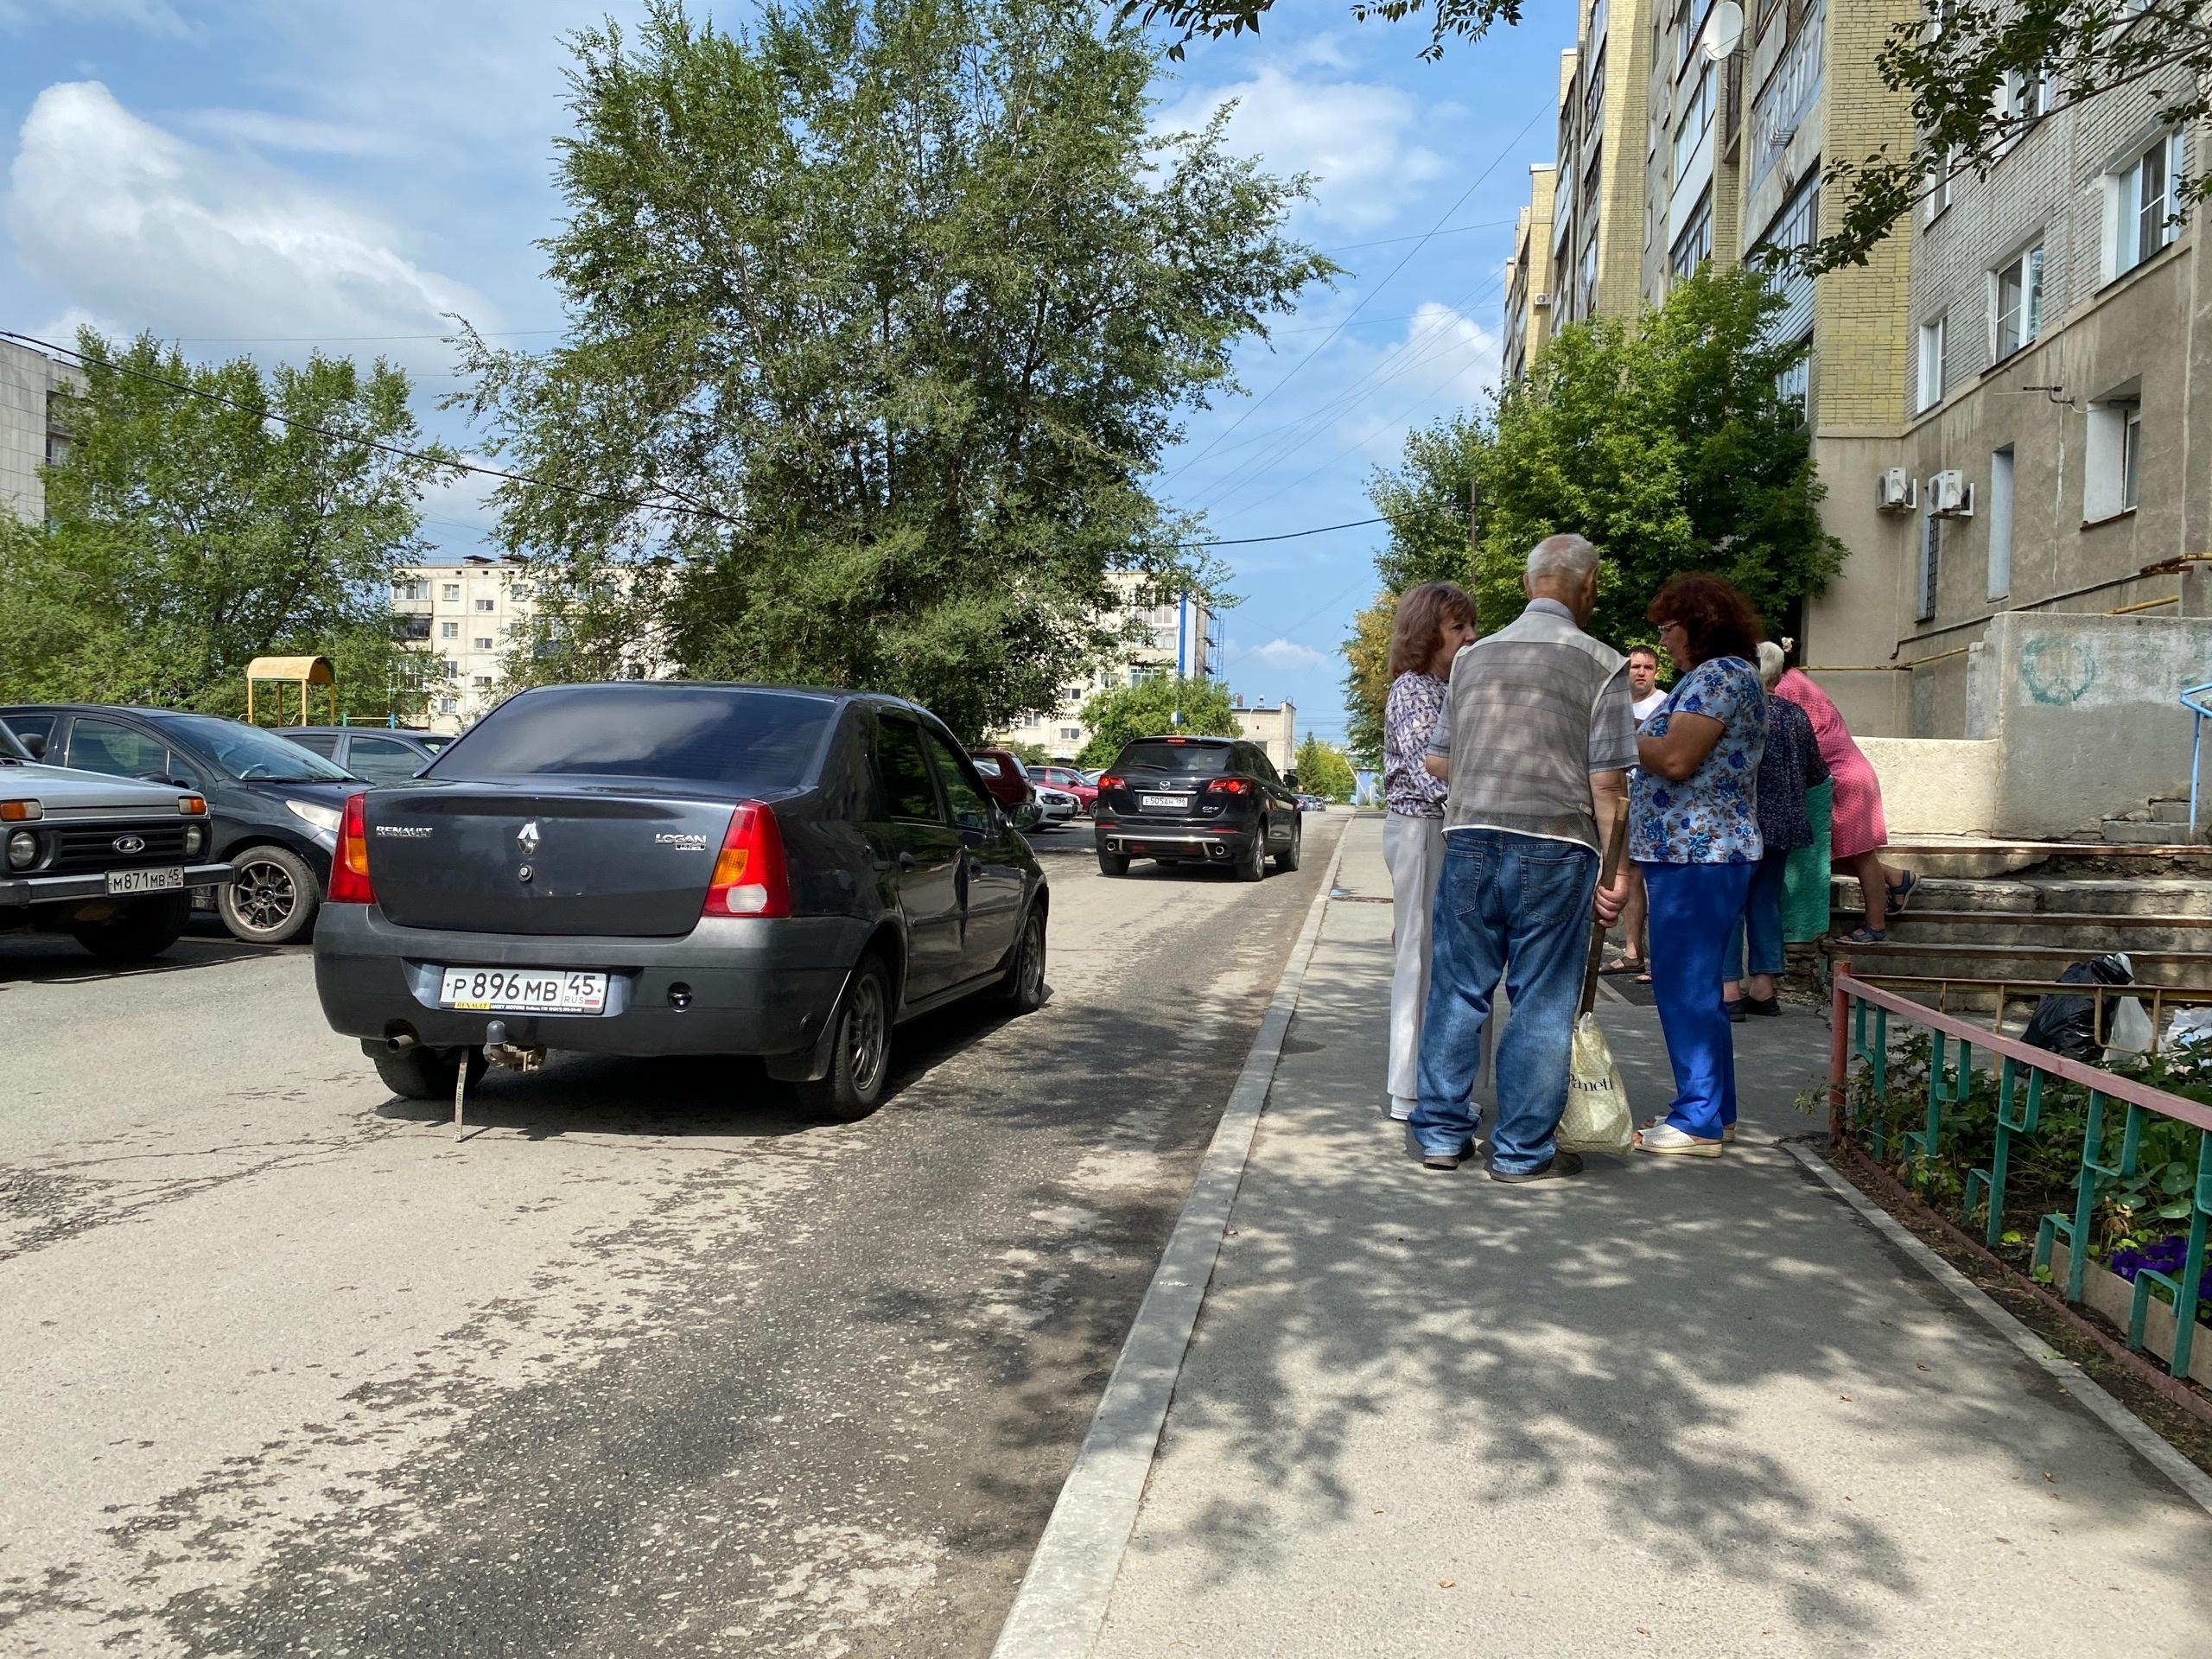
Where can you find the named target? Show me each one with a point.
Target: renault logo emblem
(526, 838)
(131, 843)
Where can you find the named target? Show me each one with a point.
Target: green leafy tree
(1325, 770)
(1367, 677)
(1963, 66)
(206, 514)
(883, 315)
(1154, 708)
(1666, 443)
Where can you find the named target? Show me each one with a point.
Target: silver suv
(110, 861)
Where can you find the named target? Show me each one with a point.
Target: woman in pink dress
(1859, 835)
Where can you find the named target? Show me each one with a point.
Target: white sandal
(1665, 1138)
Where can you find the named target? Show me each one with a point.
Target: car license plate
(1166, 803)
(522, 990)
(124, 881)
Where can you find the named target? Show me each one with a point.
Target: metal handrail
(2197, 699)
(2022, 1073)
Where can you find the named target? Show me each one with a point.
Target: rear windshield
(1194, 759)
(750, 740)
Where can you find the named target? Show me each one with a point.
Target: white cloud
(1285, 656)
(1446, 360)
(1357, 138)
(127, 220)
(261, 130)
(155, 17)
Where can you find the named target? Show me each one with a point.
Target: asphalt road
(649, 1363)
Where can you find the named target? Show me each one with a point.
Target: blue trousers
(1692, 908)
(1761, 921)
(1516, 907)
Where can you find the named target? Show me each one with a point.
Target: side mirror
(1290, 781)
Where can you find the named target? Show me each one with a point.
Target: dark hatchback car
(662, 868)
(275, 807)
(376, 754)
(1204, 800)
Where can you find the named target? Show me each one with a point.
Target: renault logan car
(662, 868)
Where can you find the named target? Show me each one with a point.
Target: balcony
(1789, 93)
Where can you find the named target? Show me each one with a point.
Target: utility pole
(1471, 553)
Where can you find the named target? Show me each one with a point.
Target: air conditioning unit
(1949, 495)
(1542, 297)
(1896, 492)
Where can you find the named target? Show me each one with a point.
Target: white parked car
(1056, 805)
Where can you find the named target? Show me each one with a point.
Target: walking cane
(1609, 870)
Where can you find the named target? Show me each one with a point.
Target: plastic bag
(2067, 1025)
(1597, 1118)
(2128, 1031)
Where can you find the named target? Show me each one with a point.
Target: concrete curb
(1061, 1605)
(2193, 1481)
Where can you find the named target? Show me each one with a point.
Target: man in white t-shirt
(1644, 698)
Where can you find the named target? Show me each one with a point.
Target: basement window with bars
(1931, 559)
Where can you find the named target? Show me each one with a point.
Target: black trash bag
(2066, 1026)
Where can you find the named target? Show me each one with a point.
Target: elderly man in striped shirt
(1538, 719)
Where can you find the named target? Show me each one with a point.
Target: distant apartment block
(1181, 636)
(469, 616)
(31, 384)
(1275, 727)
(1528, 281)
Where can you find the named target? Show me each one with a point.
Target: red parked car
(1005, 778)
(1069, 778)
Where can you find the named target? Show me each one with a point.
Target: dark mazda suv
(1203, 800)
(664, 868)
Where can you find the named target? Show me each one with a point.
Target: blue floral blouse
(1711, 816)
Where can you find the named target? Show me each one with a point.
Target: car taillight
(1229, 786)
(1109, 781)
(349, 869)
(749, 878)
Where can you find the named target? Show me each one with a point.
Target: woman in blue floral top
(1694, 832)
(1433, 620)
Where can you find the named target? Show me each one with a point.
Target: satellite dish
(1724, 30)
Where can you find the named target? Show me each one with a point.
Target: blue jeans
(1516, 907)
(1762, 918)
(1692, 908)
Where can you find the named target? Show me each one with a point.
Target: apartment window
(1598, 21)
(448, 705)
(2000, 523)
(450, 591)
(1794, 384)
(2112, 459)
(482, 642)
(1695, 246)
(1929, 388)
(1696, 117)
(2015, 303)
(448, 630)
(1589, 278)
(485, 604)
(1684, 39)
(2141, 202)
(1939, 183)
(2024, 96)
(1593, 94)
(413, 588)
(448, 667)
(482, 682)
(1931, 558)
(1070, 734)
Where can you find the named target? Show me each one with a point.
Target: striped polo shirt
(1535, 709)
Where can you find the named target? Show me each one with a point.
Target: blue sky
(250, 175)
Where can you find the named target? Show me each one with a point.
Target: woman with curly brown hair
(1432, 622)
(1693, 831)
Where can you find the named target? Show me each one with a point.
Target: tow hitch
(500, 1053)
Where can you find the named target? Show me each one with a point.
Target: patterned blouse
(1710, 817)
(1407, 719)
(1791, 766)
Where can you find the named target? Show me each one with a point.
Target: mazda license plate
(522, 990)
(1166, 802)
(120, 882)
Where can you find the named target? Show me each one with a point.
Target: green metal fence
(1865, 1014)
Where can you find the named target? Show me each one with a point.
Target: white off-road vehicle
(109, 861)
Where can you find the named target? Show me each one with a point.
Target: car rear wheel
(859, 1056)
(1287, 860)
(1251, 864)
(1113, 863)
(426, 1073)
(143, 930)
(272, 897)
(1023, 989)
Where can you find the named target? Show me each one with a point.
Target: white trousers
(1413, 849)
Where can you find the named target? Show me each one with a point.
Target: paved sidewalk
(1674, 1408)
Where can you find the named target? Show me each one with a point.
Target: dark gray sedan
(676, 869)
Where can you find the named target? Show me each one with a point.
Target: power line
(1288, 535)
(1549, 107)
(1392, 241)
